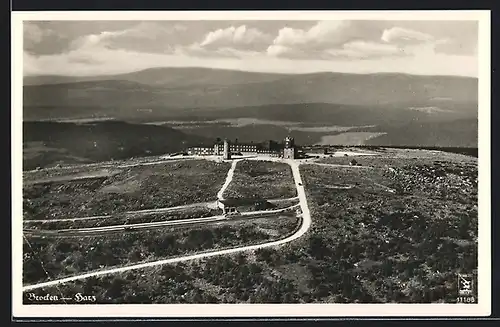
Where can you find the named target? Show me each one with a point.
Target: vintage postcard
(251, 164)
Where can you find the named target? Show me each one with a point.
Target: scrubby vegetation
(122, 219)
(370, 245)
(224, 279)
(275, 205)
(261, 179)
(400, 232)
(366, 245)
(134, 188)
(63, 256)
(392, 157)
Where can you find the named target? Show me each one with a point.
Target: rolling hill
(410, 109)
(48, 143)
(166, 89)
(167, 77)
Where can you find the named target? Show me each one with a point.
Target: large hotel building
(270, 148)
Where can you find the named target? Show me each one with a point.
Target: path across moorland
(304, 227)
(168, 223)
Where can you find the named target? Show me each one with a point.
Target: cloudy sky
(357, 46)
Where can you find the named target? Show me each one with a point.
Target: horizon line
(254, 72)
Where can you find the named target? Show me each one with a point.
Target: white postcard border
(482, 308)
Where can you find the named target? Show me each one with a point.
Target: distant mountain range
(167, 77)
(164, 89)
(410, 109)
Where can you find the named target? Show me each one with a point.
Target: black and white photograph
(295, 162)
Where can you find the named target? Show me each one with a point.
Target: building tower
(227, 150)
(289, 152)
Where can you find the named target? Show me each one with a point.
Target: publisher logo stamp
(466, 288)
(465, 285)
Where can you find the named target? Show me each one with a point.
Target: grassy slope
(261, 179)
(142, 187)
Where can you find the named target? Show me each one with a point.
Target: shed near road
(236, 204)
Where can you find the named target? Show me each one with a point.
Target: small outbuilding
(232, 205)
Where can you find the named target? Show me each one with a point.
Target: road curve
(304, 227)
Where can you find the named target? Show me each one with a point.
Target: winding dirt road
(304, 227)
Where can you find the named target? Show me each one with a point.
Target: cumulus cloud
(405, 36)
(240, 37)
(95, 40)
(231, 42)
(352, 40)
(323, 35)
(143, 37)
(332, 39)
